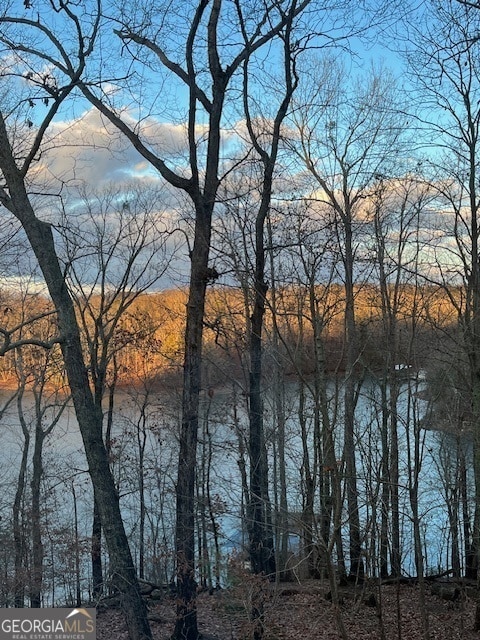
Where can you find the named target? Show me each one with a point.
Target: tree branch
(126, 34)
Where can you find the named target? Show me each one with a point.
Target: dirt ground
(304, 611)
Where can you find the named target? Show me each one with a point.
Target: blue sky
(86, 149)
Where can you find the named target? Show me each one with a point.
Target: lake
(149, 427)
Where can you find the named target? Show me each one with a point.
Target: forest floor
(304, 611)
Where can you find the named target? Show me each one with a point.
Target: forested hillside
(146, 346)
(240, 307)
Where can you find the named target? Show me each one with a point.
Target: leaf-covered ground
(305, 612)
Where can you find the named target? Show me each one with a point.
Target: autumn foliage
(148, 342)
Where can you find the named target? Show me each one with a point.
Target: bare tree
(444, 61)
(204, 153)
(347, 137)
(20, 144)
(313, 258)
(36, 370)
(397, 206)
(205, 76)
(115, 250)
(261, 536)
(202, 55)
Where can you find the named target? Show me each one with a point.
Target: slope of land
(303, 612)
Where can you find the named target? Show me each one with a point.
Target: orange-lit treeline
(148, 341)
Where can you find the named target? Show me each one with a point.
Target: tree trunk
(18, 529)
(78, 590)
(476, 471)
(96, 552)
(211, 510)
(469, 549)
(356, 562)
(308, 492)
(186, 621)
(262, 553)
(417, 536)
(90, 420)
(89, 416)
(329, 482)
(37, 545)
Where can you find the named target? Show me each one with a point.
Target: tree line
(290, 167)
(147, 341)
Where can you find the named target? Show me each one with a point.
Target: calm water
(66, 481)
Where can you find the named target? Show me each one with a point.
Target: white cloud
(89, 149)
